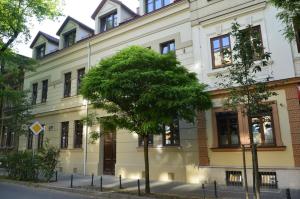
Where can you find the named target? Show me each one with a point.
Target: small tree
(246, 91)
(142, 90)
(289, 15)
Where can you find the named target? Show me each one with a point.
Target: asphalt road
(13, 191)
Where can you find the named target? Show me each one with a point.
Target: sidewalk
(111, 183)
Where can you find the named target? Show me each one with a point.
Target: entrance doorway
(109, 153)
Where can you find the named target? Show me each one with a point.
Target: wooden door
(109, 160)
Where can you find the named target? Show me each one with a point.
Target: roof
(50, 38)
(115, 1)
(83, 26)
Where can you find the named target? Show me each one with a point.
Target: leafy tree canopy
(142, 89)
(16, 16)
(289, 14)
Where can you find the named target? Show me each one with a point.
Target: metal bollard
(139, 187)
(92, 182)
(72, 181)
(288, 194)
(215, 188)
(203, 189)
(120, 179)
(55, 176)
(101, 188)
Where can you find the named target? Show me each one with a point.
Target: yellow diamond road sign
(36, 128)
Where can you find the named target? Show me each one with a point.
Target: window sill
(70, 97)
(74, 150)
(260, 148)
(160, 148)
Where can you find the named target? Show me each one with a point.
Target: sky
(81, 10)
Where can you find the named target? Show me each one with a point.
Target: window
(262, 129)
(80, 75)
(7, 140)
(44, 91)
(3, 137)
(40, 51)
(152, 5)
(41, 140)
(34, 93)
(64, 135)
(167, 47)
(78, 134)
(69, 38)
(150, 140)
(268, 180)
(297, 33)
(218, 46)
(234, 178)
(29, 140)
(171, 134)
(67, 85)
(256, 31)
(228, 130)
(108, 22)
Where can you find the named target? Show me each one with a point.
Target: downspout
(87, 113)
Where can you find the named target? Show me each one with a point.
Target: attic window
(109, 21)
(69, 38)
(152, 5)
(40, 51)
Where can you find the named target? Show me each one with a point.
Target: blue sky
(78, 9)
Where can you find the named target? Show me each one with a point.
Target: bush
(22, 165)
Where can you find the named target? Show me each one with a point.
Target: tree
(241, 80)
(142, 90)
(289, 15)
(15, 106)
(16, 16)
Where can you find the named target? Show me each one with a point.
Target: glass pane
(158, 4)
(115, 20)
(165, 50)
(218, 59)
(150, 6)
(168, 135)
(234, 131)
(225, 41)
(172, 46)
(167, 2)
(268, 130)
(256, 130)
(216, 45)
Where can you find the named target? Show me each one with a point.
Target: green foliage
(141, 89)
(289, 15)
(22, 165)
(16, 16)
(246, 90)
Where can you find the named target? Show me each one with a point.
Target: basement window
(234, 178)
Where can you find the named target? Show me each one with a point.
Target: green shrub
(22, 165)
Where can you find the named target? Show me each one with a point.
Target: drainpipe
(87, 113)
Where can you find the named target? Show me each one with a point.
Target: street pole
(245, 172)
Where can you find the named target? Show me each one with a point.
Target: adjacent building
(210, 149)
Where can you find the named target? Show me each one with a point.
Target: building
(195, 153)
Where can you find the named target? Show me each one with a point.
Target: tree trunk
(245, 172)
(256, 186)
(146, 158)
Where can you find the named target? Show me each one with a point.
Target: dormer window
(69, 38)
(152, 5)
(40, 51)
(109, 21)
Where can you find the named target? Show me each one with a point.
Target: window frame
(64, 134)
(44, 91)
(67, 84)
(262, 133)
(228, 135)
(173, 130)
(150, 140)
(67, 36)
(34, 93)
(40, 140)
(78, 123)
(163, 3)
(80, 75)
(220, 37)
(40, 51)
(103, 21)
(167, 44)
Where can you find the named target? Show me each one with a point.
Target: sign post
(36, 128)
